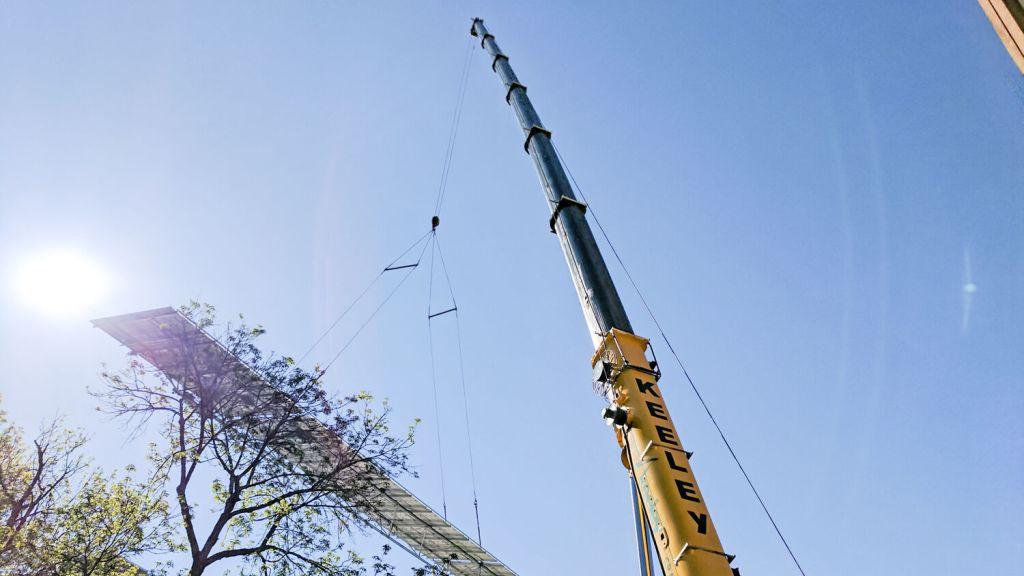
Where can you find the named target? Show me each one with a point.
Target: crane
(668, 504)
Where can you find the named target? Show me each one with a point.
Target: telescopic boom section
(600, 300)
(686, 541)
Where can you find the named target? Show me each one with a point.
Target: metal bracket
(651, 371)
(534, 130)
(441, 313)
(484, 39)
(687, 547)
(508, 94)
(563, 202)
(494, 63)
(650, 444)
(666, 447)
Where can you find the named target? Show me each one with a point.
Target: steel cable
(465, 394)
(454, 130)
(358, 298)
(433, 374)
(373, 315)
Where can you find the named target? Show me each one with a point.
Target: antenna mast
(670, 504)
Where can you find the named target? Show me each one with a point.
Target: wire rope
(433, 375)
(374, 314)
(435, 248)
(358, 298)
(454, 130)
(465, 394)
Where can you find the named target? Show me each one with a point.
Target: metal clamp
(534, 130)
(484, 39)
(494, 64)
(564, 201)
(511, 87)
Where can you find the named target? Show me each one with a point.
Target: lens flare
(59, 282)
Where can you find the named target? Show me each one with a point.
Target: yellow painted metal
(684, 534)
(1007, 18)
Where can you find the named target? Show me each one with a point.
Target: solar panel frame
(151, 334)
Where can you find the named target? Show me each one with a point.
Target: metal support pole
(642, 542)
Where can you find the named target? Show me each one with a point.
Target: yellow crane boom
(673, 506)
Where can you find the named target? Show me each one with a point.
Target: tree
(51, 528)
(33, 484)
(110, 520)
(248, 420)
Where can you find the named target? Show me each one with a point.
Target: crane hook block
(435, 222)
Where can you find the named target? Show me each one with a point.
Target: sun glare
(59, 282)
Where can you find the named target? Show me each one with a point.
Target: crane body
(668, 500)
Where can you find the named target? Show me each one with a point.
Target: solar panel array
(157, 336)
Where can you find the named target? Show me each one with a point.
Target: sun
(59, 282)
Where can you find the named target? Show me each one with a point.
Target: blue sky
(795, 184)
